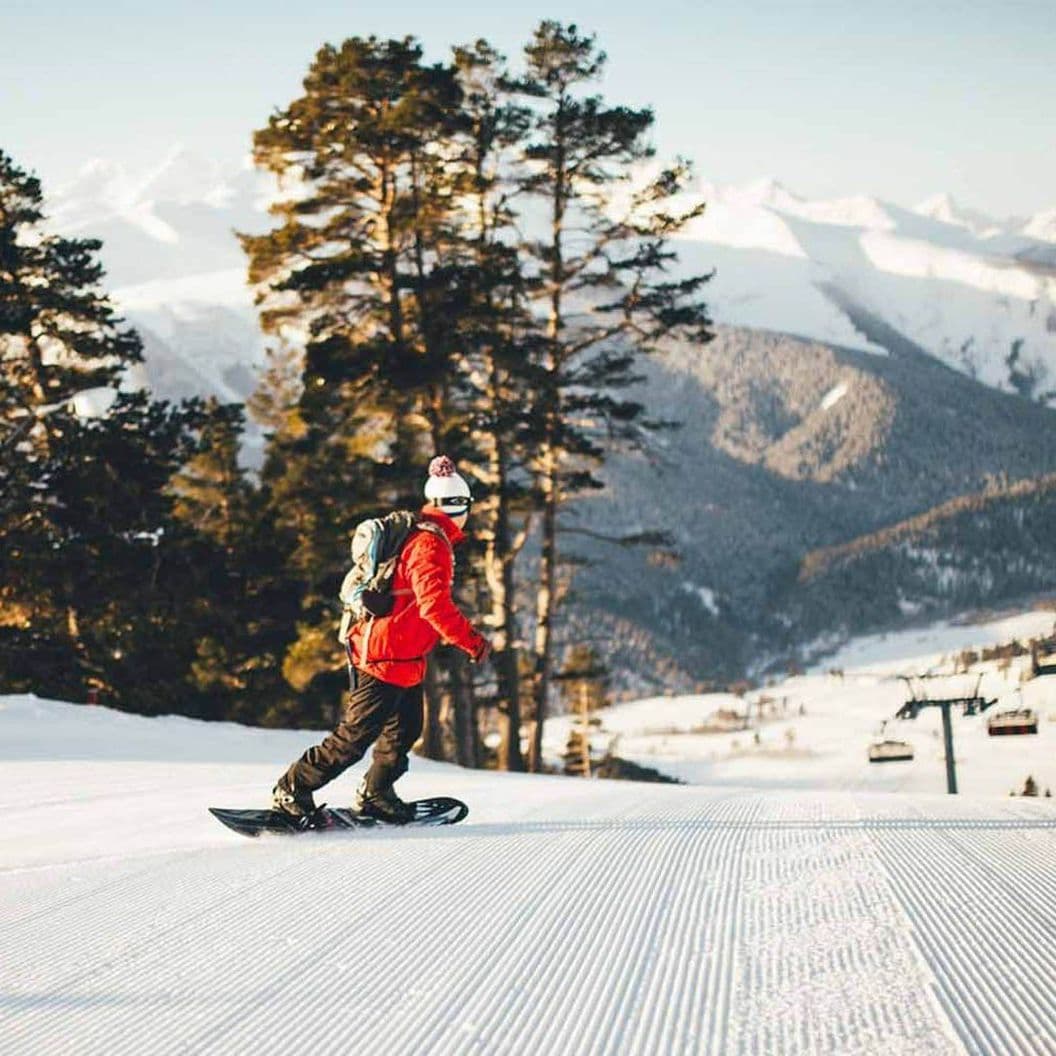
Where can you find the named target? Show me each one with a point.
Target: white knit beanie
(445, 483)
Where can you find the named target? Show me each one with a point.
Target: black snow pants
(378, 713)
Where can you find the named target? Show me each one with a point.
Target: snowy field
(816, 728)
(564, 916)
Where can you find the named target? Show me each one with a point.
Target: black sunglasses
(456, 502)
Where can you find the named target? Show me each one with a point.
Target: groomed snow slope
(564, 916)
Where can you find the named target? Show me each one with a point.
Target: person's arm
(429, 571)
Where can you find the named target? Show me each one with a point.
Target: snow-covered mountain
(174, 265)
(1042, 226)
(944, 208)
(865, 273)
(979, 294)
(821, 413)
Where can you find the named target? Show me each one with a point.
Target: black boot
(297, 802)
(383, 804)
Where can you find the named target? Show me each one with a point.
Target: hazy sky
(900, 100)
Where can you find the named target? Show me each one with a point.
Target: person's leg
(370, 706)
(400, 731)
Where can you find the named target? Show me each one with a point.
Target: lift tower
(970, 705)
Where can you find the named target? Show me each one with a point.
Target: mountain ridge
(789, 446)
(967, 289)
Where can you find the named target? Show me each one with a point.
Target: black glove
(376, 602)
(482, 651)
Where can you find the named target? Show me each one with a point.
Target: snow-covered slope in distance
(956, 284)
(174, 265)
(815, 729)
(564, 916)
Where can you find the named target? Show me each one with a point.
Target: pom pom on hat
(445, 482)
(442, 466)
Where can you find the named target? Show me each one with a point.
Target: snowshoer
(387, 660)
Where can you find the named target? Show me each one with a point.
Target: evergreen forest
(469, 257)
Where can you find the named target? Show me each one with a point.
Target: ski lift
(1043, 658)
(1013, 721)
(973, 704)
(890, 751)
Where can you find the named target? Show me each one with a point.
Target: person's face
(458, 511)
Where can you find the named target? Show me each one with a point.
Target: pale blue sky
(894, 98)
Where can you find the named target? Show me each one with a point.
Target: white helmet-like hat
(447, 488)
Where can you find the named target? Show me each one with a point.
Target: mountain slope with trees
(788, 446)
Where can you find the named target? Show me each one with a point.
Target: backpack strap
(435, 529)
(432, 529)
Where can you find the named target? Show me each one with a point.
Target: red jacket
(394, 647)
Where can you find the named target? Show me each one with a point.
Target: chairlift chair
(890, 751)
(1012, 722)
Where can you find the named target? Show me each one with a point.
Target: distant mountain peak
(764, 191)
(1041, 226)
(98, 180)
(856, 210)
(181, 176)
(946, 209)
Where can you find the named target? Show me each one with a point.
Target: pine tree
(60, 337)
(111, 557)
(429, 323)
(211, 491)
(245, 615)
(583, 683)
(101, 585)
(357, 270)
(602, 284)
(494, 329)
(84, 467)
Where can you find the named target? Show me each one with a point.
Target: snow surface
(834, 395)
(1042, 226)
(708, 597)
(817, 727)
(945, 208)
(564, 916)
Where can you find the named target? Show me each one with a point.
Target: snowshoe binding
(382, 804)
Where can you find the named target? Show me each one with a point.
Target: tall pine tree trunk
(81, 660)
(546, 599)
(501, 588)
(389, 254)
(432, 729)
(464, 714)
(499, 554)
(544, 608)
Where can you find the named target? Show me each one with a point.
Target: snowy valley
(813, 731)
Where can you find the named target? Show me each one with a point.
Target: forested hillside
(788, 447)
